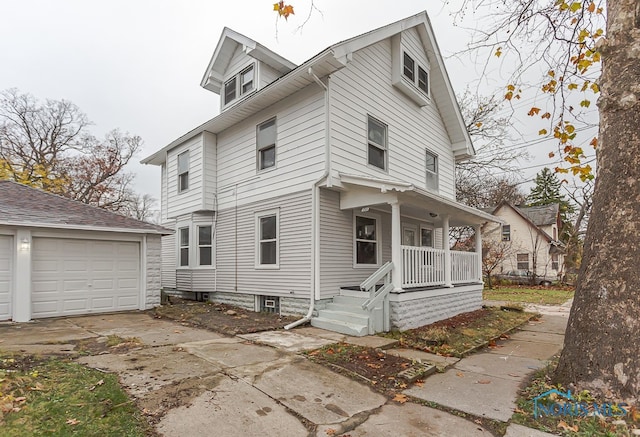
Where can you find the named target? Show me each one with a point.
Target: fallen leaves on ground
(72, 421)
(400, 398)
(566, 427)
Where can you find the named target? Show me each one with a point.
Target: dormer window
(239, 85)
(409, 67)
(423, 80)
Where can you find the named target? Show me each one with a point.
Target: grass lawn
(55, 396)
(460, 334)
(523, 294)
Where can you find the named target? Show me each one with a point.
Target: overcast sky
(136, 65)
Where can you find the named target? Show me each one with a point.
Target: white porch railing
(464, 267)
(422, 266)
(425, 267)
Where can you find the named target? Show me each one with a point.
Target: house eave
(65, 226)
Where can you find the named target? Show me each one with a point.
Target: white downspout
(315, 210)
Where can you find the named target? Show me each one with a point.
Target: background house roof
(21, 205)
(541, 215)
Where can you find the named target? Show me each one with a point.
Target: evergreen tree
(547, 192)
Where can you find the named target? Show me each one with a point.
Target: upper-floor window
(409, 67)
(377, 148)
(423, 80)
(555, 233)
(266, 144)
(205, 245)
(183, 171)
(183, 247)
(239, 85)
(432, 170)
(506, 233)
(267, 244)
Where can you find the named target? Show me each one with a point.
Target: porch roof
(363, 191)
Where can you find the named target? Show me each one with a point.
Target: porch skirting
(289, 306)
(411, 309)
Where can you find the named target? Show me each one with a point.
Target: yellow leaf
(479, 124)
(276, 6)
(573, 86)
(551, 73)
(575, 7)
(498, 52)
(401, 398)
(542, 132)
(595, 88)
(564, 426)
(596, 57)
(533, 111)
(570, 128)
(509, 95)
(511, 88)
(585, 103)
(561, 170)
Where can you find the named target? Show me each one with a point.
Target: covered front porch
(404, 272)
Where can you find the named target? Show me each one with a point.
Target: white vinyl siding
(209, 171)
(183, 171)
(169, 261)
(6, 275)
(266, 139)
(267, 75)
(192, 199)
(411, 128)
(236, 248)
(300, 151)
(431, 167)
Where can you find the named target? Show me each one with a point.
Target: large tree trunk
(602, 344)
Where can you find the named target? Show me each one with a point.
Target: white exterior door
(6, 275)
(77, 276)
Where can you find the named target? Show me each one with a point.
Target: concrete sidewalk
(193, 381)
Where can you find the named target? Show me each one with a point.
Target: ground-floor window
(184, 247)
(523, 261)
(554, 262)
(366, 240)
(205, 245)
(267, 240)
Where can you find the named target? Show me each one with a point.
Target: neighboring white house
(315, 177)
(531, 236)
(59, 257)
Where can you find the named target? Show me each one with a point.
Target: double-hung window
(409, 67)
(423, 80)
(267, 244)
(239, 85)
(183, 171)
(506, 232)
(183, 247)
(377, 143)
(266, 144)
(205, 246)
(366, 240)
(432, 171)
(523, 261)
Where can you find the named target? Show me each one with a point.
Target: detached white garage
(60, 257)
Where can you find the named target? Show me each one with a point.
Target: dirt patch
(102, 345)
(157, 403)
(368, 365)
(11, 362)
(226, 319)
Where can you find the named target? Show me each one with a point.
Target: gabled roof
(21, 205)
(326, 62)
(229, 41)
(535, 216)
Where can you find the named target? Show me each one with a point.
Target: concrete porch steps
(346, 316)
(347, 328)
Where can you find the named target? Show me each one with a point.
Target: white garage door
(6, 259)
(84, 276)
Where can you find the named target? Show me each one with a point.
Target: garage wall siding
(154, 262)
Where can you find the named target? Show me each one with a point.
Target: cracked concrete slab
(287, 340)
(515, 430)
(526, 349)
(552, 324)
(507, 367)
(46, 331)
(316, 393)
(538, 337)
(474, 393)
(423, 357)
(409, 420)
(149, 369)
(231, 352)
(312, 331)
(372, 341)
(231, 408)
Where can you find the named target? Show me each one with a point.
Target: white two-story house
(318, 181)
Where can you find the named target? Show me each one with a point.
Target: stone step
(342, 327)
(344, 316)
(347, 308)
(349, 301)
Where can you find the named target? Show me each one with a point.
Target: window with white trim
(267, 240)
(555, 264)
(426, 237)
(377, 143)
(266, 144)
(366, 240)
(523, 261)
(506, 232)
(183, 247)
(423, 80)
(183, 171)
(239, 85)
(408, 67)
(205, 245)
(432, 171)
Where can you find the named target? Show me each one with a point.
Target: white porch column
(22, 288)
(478, 229)
(447, 251)
(396, 250)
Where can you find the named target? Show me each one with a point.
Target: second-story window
(423, 80)
(409, 66)
(377, 143)
(266, 144)
(239, 85)
(432, 171)
(506, 233)
(183, 171)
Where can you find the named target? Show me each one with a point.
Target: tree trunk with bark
(602, 344)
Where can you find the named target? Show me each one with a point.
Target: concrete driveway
(195, 382)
